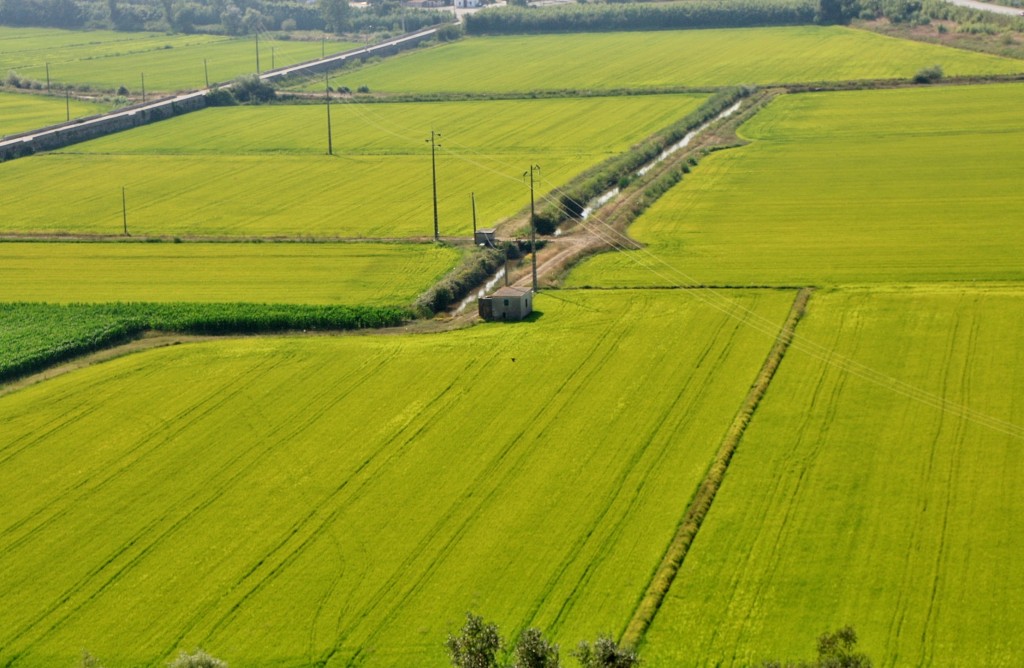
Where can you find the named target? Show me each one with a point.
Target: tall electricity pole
(433, 173)
(206, 73)
(124, 212)
(143, 76)
(327, 92)
(533, 227)
(257, 52)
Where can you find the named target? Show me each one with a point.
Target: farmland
(19, 113)
(196, 174)
(878, 486)
(357, 273)
(322, 499)
(667, 58)
(840, 188)
(305, 523)
(106, 60)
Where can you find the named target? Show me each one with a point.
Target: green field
(106, 60)
(285, 501)
(284, 273)
(665, 58)
(877, 486)
(247, 171)
(854, 187)
(22, 112)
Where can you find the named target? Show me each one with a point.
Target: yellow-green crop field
(346, 500)
(275, 273)
(264, 171)
(106, 60)
(665, 58)
(23, 112)
(843, 188)
(878, 486)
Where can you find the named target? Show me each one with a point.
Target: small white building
(467, 4)
(507, 303)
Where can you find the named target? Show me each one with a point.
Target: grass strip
(702, 500)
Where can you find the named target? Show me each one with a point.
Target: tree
(231, 19)
(605, 653)
(533, 651)
(477, 644)
(198, 659)
(334, 13)
(837, 650)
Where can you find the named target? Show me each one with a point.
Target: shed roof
(511, 291)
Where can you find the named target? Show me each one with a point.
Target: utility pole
(67, 103)
(472, 198)
(533, 227)
(124, 212)
(143, 75)
(206, 73)
(257, 53)
(433, 173)
(327, 91)
(47, 77)
(273, 64)
(323, 47)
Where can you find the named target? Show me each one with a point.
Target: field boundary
(700, 504)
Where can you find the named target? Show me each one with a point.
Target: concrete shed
(507, 303)
(484, 237)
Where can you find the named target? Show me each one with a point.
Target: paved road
(986, 7)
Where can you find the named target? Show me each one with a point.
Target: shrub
(252, 89)
(122, 90)
(198, 659)
(605, 653)
(220, 97)
(929, 75)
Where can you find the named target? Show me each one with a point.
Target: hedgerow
(641, 16)
(36, 336)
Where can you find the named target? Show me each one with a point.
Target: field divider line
(665, 573)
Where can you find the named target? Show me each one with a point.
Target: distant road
(986, 7)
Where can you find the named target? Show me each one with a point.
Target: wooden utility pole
(124, 212)
(206, 73)
(257, 53)
(143, 75)
(433, 174)
(47, 77)
(533, 228)
(327, 92)
(472, 198)
(67, 103)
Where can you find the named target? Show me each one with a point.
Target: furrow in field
(74, 495)
(491, 479)
(285, 430)
(134, 548)
(308, 529)
(661, 433)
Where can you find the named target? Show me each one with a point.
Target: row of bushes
(474, 270)
(645, 16)
(36, 336)
(570, 200)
